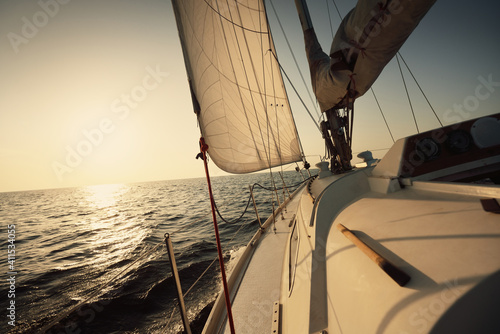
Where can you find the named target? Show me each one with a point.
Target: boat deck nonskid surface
(447, 243)
(260, 287)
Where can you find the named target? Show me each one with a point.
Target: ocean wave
(59, 216)
(73, 246)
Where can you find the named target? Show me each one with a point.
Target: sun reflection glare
(105, 195)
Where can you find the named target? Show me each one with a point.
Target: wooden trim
(398, 275)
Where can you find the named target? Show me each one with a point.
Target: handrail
(398, 275)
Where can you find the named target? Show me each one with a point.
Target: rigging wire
(371, 88)
(330, 17)
(407, 94)
(265, 103)
(269, 129)
(421, 90)
(296, 92)
(280, 188)
(338, 11)
(271, 42)
(383, 116)
(295, 61)
(274, 188)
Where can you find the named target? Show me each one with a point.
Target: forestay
(236, 84)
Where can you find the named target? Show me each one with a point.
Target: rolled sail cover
(236, 84)
(367, 39)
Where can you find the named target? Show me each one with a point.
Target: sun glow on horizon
(98, 93)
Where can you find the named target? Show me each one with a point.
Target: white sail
(236, 84)
(368, 38)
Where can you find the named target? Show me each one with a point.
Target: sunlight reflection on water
(105, 195)
(116, 237)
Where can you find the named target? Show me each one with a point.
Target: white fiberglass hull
(444, 236)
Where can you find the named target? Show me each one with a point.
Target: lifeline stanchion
(203, 149)
(175, 273)
(284, 186)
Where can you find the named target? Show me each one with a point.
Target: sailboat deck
(260, 286)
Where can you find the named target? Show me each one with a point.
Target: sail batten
(236, 84)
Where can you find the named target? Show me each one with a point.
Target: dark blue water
(95, 256)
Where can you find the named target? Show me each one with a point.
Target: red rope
(203, 149)
(358, 46)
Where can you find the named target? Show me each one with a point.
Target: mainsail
(236, 84)
(367, 39)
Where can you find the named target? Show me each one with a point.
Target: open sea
(93, 259)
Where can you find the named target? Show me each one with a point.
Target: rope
(239, 218)
(197, 221)
(272, 189)
(204, 149)
(232, 238)
(250, 197)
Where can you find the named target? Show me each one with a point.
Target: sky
(95, 92)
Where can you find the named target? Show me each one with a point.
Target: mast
(303, 11)
(367, 39)
(335, 129)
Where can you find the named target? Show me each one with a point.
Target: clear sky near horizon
(95, 92)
